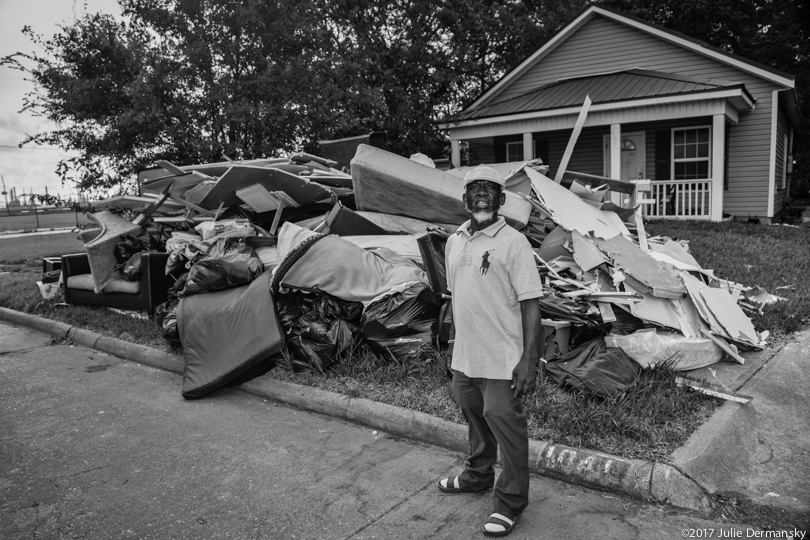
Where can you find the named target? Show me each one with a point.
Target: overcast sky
(31, 167)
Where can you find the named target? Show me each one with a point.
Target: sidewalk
(760, 450)
(35, 232)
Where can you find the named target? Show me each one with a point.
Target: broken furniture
(143, 295)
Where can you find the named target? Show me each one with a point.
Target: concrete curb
(649, 481)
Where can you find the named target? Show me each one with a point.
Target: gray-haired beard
(482, 217)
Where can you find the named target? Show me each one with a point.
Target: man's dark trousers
(495, 418)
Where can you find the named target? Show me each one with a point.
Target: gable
(601, 45)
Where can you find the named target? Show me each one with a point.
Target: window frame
(674, 160)
(513, 144)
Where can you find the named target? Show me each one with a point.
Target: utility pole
(5, 194)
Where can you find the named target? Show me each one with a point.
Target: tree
(194, 81)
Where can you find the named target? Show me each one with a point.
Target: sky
(32, 168)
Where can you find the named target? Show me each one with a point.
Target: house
(712, 131)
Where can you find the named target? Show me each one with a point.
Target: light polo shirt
(488, 274)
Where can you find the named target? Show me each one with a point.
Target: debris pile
(274, 251)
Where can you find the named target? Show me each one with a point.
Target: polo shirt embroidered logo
(484, 263)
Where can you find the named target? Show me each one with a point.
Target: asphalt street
(96, 447)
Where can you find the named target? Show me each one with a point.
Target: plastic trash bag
(445, 324)
(592, 369)
(131, 271)
(228, 264)
(319, 327)
(176, 290)
(402, 324)
(166, 320)
(431, 246)
(130, 245)
(650, 348)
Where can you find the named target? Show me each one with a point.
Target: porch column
(616, 151)
(718, 155)
(528, 147)
(455, 152)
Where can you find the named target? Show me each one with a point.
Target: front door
(633, 155)
(633, 160)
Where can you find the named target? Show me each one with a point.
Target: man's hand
(448, 359)
(523, 376)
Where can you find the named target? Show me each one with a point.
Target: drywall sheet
(586, 254)
(662, 278)
(593, 194)
(554, 243)
(730, 315)
(571, 212)
(676, 251)
(694, 286)
(238, 177)
(654, 310)
(391, 184)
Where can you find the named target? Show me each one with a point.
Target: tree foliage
(195, 81)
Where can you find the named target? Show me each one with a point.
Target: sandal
(452, 485)
(499, 525)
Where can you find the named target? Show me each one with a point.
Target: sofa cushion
(85, 282)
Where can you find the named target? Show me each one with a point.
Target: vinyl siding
(782, 129)
(481, 152)
(603, 45)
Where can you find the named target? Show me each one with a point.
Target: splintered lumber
(712, 390)
(391, 184)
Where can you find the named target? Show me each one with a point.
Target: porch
(676, 199)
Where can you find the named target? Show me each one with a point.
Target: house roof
(615, 87)
(671, 36)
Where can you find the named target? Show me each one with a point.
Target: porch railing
(690, 199)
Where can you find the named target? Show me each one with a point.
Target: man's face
(482, 199)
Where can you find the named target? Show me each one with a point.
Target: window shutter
(541, 150)
(662, 155)
(500, 152)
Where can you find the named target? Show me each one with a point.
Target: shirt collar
(492, 230)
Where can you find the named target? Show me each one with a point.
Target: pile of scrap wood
(352, 257)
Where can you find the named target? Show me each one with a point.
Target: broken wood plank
(712, 390)
(583, 115)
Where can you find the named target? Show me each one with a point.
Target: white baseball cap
(482, 172)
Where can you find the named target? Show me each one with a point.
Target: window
(690, 153)
(514, 151)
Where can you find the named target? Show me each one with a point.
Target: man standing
(495, 285)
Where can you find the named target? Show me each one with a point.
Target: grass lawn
(649, 421)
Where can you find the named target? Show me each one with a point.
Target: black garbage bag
(177, 288)
(403, 324)
(131, 271)
(585, 320)
(228, 264)
(130, 245)
(319, 327)
(593, 369)
(445, 324)
(166, 320)
(431, 247)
